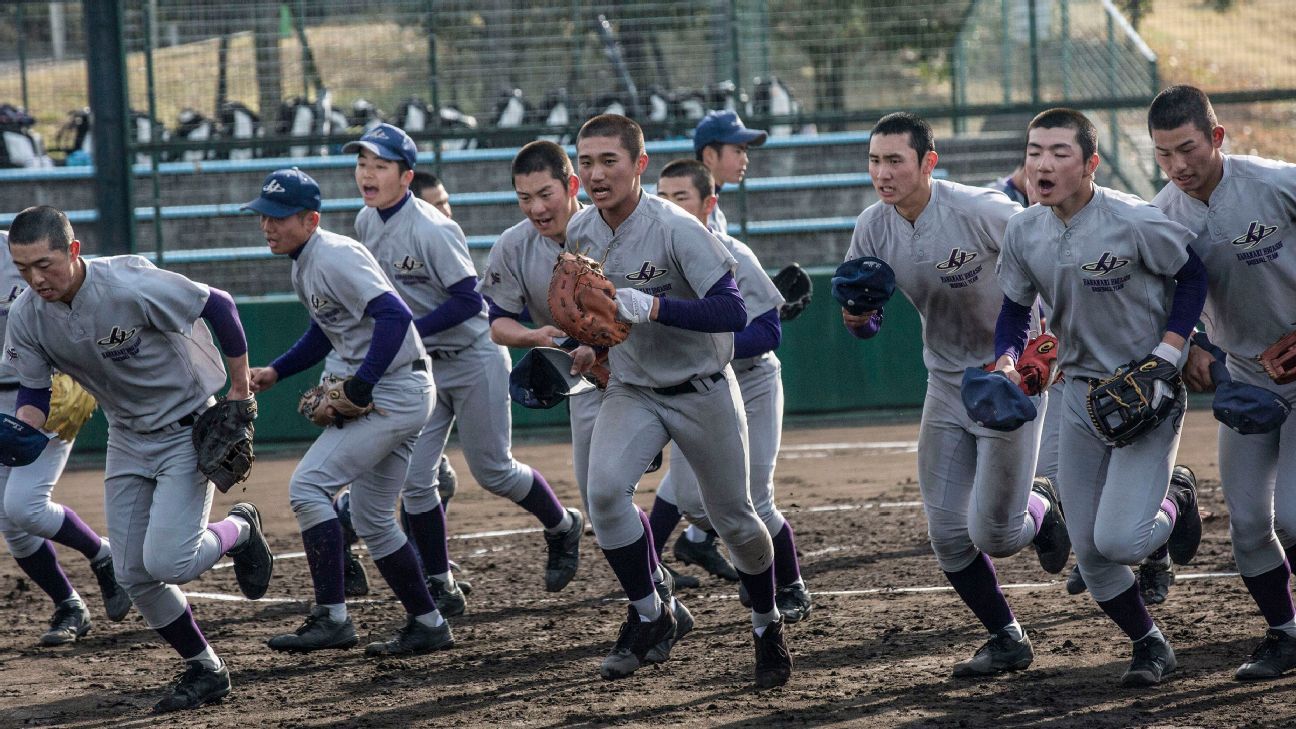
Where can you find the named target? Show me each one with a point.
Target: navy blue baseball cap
(388, 142)
(726, 128)
(1249, 409)
(993, 401)
(863, 284)
(286, 192)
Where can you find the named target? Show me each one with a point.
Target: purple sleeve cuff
(39, 399)
(763, 335)
(312, 347)
(464, 303)
(1189, 296)
(721, 310)
(493, 311)
(222, 315)
(391, 320)
(870, 330)
(1011, 329)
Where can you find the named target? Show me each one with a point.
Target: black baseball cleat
(1275, 655)
(447, 482)
(1154, 659)
(660, 653)
(355, 581)
(116, 602)
(253, 562)
(319, 632)
(634, 640)
(773, 659)
(705, 554)
(793, 602)
(1000, 654)
(564, 553)
(450, 601)
(1052, 543)
(682, 581)
(1155, 578)
(70, 621)
(198, 685)
(1075, 583)
(1186, 535)
(413, 638)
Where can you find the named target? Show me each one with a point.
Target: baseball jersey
(518, 270)
(335, 278)
(944, 264)
(717, 222)
(758, 291)
(1251, 300)
(129, 337)
(1007, 187)
(660, 250)
(1108, 277)
(423, 253)
(11, 284)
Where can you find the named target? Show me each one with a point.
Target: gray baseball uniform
(1242, 236)
(1108, 279)
(717, 222)
(661, 250)
(975, 481)
(130, 338)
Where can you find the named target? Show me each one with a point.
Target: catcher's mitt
(1279, 359)
(70, 407)
(1038, 364)
(583, 302)
(794, 284)
(1135, 400)
(222, 435)
(328, 404)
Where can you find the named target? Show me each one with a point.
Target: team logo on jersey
(8, 301)
(407, 265)
(116, 337)
(1106, 263)
(11, 353)
(1255, 233)
(319, 302)
(273, 186)
(646, 272)
(494, 278)
(957, 259)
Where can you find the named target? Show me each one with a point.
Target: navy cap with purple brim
(388, 142)
(725, 127)
(284, 193)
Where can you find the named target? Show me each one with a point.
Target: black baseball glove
(222, 436)
(1135, 400)
(794, 284)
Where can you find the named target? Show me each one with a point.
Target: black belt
(440, 354)
(8, 387)
(419, 365)
(187, 420)
(684, 388)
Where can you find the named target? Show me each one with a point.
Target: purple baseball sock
(542, 502)
(1270, 591)
(654, 560)
(1291, 555)
(183, 635)
(76, 534)
(1128, 612)
(226, 532)
(1037, 509)
(760, 588)
(401, 570)
(978, 585)
(43, 567)
(429, 533)
(787, 569)
(661, 522)
(1171, 509)
(323, 543)
(633, 567)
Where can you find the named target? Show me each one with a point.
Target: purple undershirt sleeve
(1189, 296)
(391, 320)
(1011, 329)
(464, 303)
(37, 398)
(222, 315)
(763, 335)
(308, 350)
(721, 310)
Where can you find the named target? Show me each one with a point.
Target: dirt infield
(875, 652)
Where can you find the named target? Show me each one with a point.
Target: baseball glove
(1038, 364)
(70, 407)
(222, 435)
(328, 404)
(794, 284)
(1279, 359)
(583, 302)
(1135, 400)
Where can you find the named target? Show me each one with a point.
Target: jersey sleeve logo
(646, 272)
(11, 353)
(319, 302)
(1255, 233)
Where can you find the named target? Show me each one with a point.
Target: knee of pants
(954, 550)
(1255, 548)
(164, 567)
(511, 481)
(749, 543)
(700, 521)
(1284, 522)
(420, 499)
(996, 539)
(1104, 578)
(311, 505)
(1121, 548)
(614, 517)
(21, 544)
(35, 518)
(378, 528)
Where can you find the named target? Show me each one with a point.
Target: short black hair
(1063, 118)
(543, 156)
(717, 146)
(1180, 105)
(41, 223)
(920, 133)
(423, 180)
(615, 125)
(697, 172)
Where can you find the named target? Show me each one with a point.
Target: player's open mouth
(600, 192)
(1184, 180)
(369, 191)
(542, 222)
(1044, 186)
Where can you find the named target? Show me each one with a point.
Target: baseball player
(355, 312)
(942, 240)
(1121, 282)
(688, 184)
(721, 142)
(671, 380)
(31, 523)
(128, 332)
(427, 186)
(1015, 185)
(1242, 208)
(426, 257)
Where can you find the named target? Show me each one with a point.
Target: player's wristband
(1169, 353)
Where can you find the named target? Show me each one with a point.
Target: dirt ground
(875, 652)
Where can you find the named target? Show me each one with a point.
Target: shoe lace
(185, 682)
(554, 547)
(64, 615)
(311, 620)
(1269, 647)
(770, 650)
